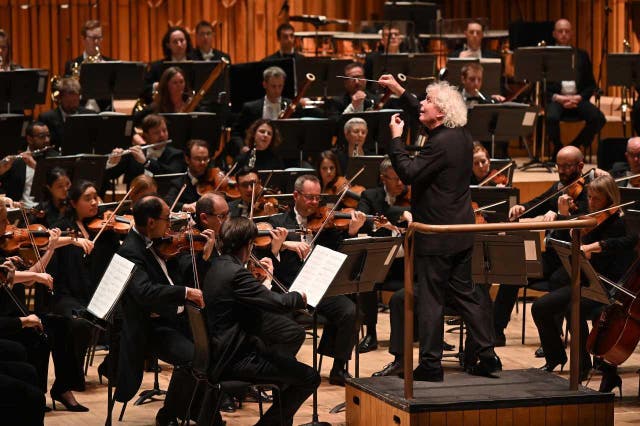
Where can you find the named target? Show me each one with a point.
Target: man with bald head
(570, 99)
(631, 167)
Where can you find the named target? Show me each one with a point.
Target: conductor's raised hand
(396, 125)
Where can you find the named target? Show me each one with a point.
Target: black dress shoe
(423, 374)
(367, 344)
(539, 352)
(163, 418)
(255, 395)
(610, 382)
(57, 396)
(392, 369)
(448, 347)
(486, 367)
(227, 404)
(338, 377)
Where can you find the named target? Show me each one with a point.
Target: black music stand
(378, 134)
(488, 195)
(629, 194)
(491, 76)
(422, 14)
(12, 129)
(246, 80)
(325, 70)
(370, 177)
(499, 259)
(543, 64)
(283, 180)
(112, 80)
(623, 69)
(197, 72)
(303, 138)
(417, 67)
(97, 133)
(500, 122)
(79, 167)
(23, 89)
(183, 127)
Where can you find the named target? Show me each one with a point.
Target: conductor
(439, 176)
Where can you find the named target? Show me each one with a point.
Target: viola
(16, 238)
(120, 224)
(215, 179)
(174, 243)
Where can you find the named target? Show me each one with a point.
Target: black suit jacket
(585, 82)
(196, 55)
(171, 161)
(12, 182)
(55, 123)
(148, 291)
(190, 194)
(335, 106)
(279, 55)
(68, 66)
(373, 202)
(439, 176)
(232, 295)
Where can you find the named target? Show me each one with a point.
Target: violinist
(602, 246)
(482, 167)
(260, 144)
(247, 178)
(16, 171)
(55, 202)
(197, 158)
(163, 159)
(330, 172)
(338, 335)
(152, 306)
(629, 168)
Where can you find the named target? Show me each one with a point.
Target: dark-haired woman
(260, 143)
(54, 204)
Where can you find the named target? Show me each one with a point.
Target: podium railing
(409, 241)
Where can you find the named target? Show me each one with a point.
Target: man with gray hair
(439, 176)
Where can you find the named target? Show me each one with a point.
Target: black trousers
(368, 301)
(297, 381)
(37, 353)
(396, 318)
(593, 117)
(279, 331)
(439, 276)
(338, 335)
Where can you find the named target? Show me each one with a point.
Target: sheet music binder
(111, 297)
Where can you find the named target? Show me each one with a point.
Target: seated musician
(471, 77)
(571, 98)
(330, 173)
(232, 293)
(482, 167)
(391, 41)
(355, 132)
(286, 39)
(172, 95)
(204, 50)
(338, 338)
(474, 33)
(197, 158)
(383, 200)
(68, 104)
(16, 172)
(55, 202)
(356, 97)
(602, 246)
(269, 107)
(6, 64)
(163, 159)
(247, 178)
(91, 35)
(260, 144)
(629, 168)
(152, 306)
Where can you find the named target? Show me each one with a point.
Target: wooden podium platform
(518, 397)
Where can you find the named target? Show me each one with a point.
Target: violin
(497, 178)
(120, 224)
(16, 238)
(174, 243)
(215, 179)
(340, 219)
(574, 190)
(263, 240)
(404, 200)
(477, 213)
(352, 196)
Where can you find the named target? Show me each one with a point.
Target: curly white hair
(449, 101)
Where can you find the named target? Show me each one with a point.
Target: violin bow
(253, 200)
(32, 240)
(622, 179)
(192, 251)
(113, 215)
(19, 304)
(618, 206)
(488, 178)
(175, 202)
(226, 175)
(488, 206)
(274, 280)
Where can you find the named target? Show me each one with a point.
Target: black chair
(200, 368)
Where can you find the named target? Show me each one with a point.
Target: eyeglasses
(566, 166)
(201, 160)
(220, 216)
(168, 218)
(205, 33)
(42, 135)
(634, 155)
(311, 197)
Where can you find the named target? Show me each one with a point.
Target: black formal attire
(338, 336)
(266, 159)
(612, 262)
(103, 104)
(196, 55)
(279, 55)
(232, 297)
(170, 161)
(156, 68)
(439, 176)
(585, 87)
(190, 194)
(335, 106)
(55, 122)
(13, 181)
(150, 318)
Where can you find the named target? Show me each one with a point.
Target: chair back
(201, 353)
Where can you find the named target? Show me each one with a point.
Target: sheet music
(111, 286)
(317, 273)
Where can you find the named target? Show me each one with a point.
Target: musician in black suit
(16, 173)
(571, 98)
(152, 305)
(439, 176)
(338, 336)
(286, 38)
(176, 46)
(246, 179)
(204, 50)
(356, 97)
(197, 158)
(68, 104)
(630, 167)
(231, 294)
(474, 33)
(160, 160)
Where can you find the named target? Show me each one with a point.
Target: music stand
(96, 133)
(422, 14)
(164, 182)
(112, 80)
(23, 89)
(246, 81)
(487, 195)
(370, 177)
(623, 69)
(499, 259)
(324, 69)
(183, 127)
(304, 137)
(283, 180)
(491, 75)
(543, 64)
(378, 133)
(417, 67)
(197, 72)
(12, 129)
(79, 167)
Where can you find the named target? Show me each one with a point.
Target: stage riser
(371, 411)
